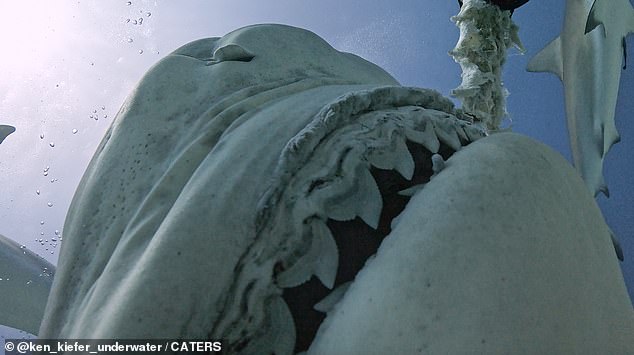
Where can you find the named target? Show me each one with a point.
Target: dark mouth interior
(357, 242)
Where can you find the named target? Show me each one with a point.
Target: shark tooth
(438, 163)
(462, 134)
(298, 273)
(341, 208)
(447, 133)
(328, 256)
(473, 133)
(340, 205)
(280, 336)
(405, 162)
(411, 191)
(321, 260)
(427, 138)
(329, 302)
(396, 157)
(368, 200)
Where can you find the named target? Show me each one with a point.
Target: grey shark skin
(25, 283)
(5, 131)
(587, 58)
(216, 190)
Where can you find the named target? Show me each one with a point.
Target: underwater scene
(207, 159)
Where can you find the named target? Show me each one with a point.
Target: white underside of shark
(588, 57)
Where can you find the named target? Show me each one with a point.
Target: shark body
(25, 282)
(587, 57)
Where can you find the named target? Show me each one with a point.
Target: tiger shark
(587, 58)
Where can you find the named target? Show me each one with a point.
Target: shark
(25, 283)
(5, 131)
(587, 57)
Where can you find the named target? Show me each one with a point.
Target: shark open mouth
(339, 187)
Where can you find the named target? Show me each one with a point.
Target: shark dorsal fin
(548, 59)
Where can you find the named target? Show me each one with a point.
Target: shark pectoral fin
(5, 131)
(548, 59)
(594, 19)
(25, 283)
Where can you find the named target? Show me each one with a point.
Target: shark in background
(5, 131)
(25, 282)
(587, 57)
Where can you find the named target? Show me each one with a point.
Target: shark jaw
(339, 193)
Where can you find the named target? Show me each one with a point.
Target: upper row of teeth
(345, 188)
(322, 173)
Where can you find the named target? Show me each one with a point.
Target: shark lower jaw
(328, 219)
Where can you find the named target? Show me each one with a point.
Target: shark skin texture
(587, 57)
(26, 280)
(248, 181)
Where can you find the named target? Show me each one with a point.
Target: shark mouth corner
(339, 188)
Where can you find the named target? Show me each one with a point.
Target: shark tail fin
(548, 59)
